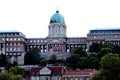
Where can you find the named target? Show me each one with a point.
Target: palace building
(14, 43)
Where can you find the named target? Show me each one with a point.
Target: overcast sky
(31, 17)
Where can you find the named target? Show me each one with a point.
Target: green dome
(57, 18)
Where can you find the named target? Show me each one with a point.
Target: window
(18, 48)
(38, 41)
(45, 41)
(3, 39)
(11, 39)
(18, 44)
(76, 78)
(66, 78)
(46, 78)
(30, 46)
(6, 44)
(37, 78)
(34, 40)
(87, 78)
(42, 78)
(18, 39)
(53, 78)
(41, 50)
(81, 78)
(32, 78)
(31, 41)
(14, 39)
(6, 49)
(7, 39)
(71, 78)
(41, 40)
(14, 44)
(10, 44)
(59, 78)
(14, 48)
(45, 50)
(11, 49)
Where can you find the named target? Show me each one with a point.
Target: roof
(79, 72)
(11, 32)
(57, 18)
(56, 70)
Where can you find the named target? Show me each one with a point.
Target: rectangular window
(76, 78)
(14, 44)
(14, 48)
(14, 39)
(87, 78)
(81, 78)
(10, 44)
(66, 78)
(10, 48)
(11, 39)
(18, 44)
(18, 39)
(6, 49)
(18, 48)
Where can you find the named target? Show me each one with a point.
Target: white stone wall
(57, 30)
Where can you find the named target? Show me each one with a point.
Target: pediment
(45, 71)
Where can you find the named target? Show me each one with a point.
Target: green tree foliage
(9, 76)
(54, 61)
(95, 47)
(93, 61)
(109, 68)
(80, 51)
(116, 49)
(108, 45)
(82, 63)
(76, 62)
(33, 57)
(72, 61)
(104, 51)
(17, 70)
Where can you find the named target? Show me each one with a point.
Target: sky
(31, 17)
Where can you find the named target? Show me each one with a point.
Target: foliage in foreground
(17, 71)
(9, 76)
(109, 68)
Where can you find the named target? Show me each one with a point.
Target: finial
(57, 11)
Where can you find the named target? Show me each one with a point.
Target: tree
(82, 63)
(76, 62)
(17, 70)
(71, 61)
(9, 76)
(95, 47)
(33, 56)
(53, 59)
(109, 68)
(116, 49)
(104, 51)
(93, 63)
(80, 51)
